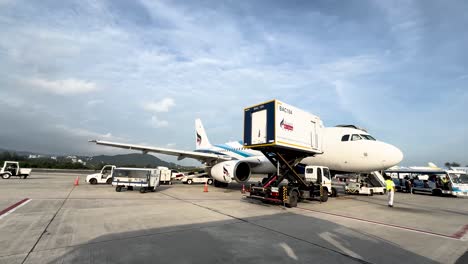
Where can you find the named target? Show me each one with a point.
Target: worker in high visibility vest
(445, 182)
(390, 190)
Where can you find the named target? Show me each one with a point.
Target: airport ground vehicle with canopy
(144, 179)
(12, 168)
(104, 176)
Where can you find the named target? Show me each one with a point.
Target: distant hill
(134, 159)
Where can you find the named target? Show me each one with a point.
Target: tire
(216, 183)
(118, 188)
(189, 181)
(93, 181)
(210, 182)
(437, 192)
(334, 193)
(142, 190)
(371, 193)
(324, 197)
(293, 199)
(6, 176)
(109, 181)
(25, 176)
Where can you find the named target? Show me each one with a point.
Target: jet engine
(226, 171)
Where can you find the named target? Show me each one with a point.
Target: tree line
(47, 163)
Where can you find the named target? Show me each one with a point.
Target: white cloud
(161, 106)
(91, 103)
(156, 122)
(63, 87)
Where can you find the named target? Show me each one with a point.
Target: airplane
(346, 148)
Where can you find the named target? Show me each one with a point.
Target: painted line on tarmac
(461, 233)
(10, 209)
(456, 236)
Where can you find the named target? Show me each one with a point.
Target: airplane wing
(181, 154)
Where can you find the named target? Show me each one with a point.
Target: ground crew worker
(390, 190)
(445, 181)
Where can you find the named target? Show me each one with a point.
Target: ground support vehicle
(435, 182)
(272, 188)
(197, 178)
(12, 168)
(285, 135)
(129, 178)
(104, 176)
(165, 175)
(367, 184)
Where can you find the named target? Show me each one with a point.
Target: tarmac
(46, 219)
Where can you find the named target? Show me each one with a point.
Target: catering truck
(285, 135)
(129, 178)
(12, 168)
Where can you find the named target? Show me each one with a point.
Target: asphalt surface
(57, 222)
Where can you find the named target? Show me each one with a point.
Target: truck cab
(104, 176)
(320, 175)
(12, 168)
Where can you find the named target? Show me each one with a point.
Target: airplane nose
(395, 156)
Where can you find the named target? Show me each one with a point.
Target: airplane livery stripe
(241, 153)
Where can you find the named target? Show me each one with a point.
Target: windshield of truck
(459, 178)
(130, 173)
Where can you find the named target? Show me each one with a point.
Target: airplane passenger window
(355, 137)
(345, 138)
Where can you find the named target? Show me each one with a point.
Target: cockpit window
(355, 137)
(367, 137)
(345, 138)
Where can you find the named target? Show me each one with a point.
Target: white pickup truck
(320, 175)
(12, 168)
(105, 176)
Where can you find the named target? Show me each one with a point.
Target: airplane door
(259, 127)
(313, 135)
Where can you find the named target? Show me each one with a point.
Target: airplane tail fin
(432, 165)
(201, 139)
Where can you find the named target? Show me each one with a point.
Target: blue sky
(142, 71)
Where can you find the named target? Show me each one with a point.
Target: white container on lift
(278, 124)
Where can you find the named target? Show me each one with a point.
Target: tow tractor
(12, 168)
(285, 135)
(105, 176)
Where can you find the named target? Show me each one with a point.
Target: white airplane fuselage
(360, 155)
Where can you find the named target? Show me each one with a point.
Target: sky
(141, 71)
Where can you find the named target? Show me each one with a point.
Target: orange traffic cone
(77, 180)
(243, 188)
(205, 189)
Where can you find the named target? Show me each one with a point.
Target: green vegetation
(451, 164)
(47, 163)
(94, 163)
